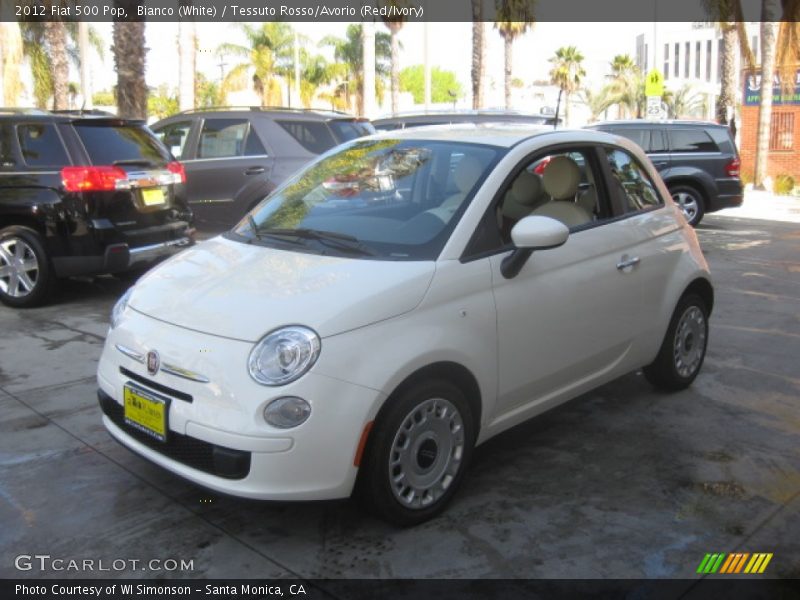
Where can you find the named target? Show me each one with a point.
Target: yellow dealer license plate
(153, 197)
(146, 412)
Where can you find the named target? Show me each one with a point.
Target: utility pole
(369, 69)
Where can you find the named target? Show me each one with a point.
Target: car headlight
(284, 355)
(119, 308)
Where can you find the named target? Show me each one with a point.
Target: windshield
(385, 199)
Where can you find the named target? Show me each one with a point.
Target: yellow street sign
(654, 83)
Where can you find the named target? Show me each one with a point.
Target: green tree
(348, 51)
(599, 101)
(103, 98)
(685, 102)
(395, 24)
(626, 88)
(268, 53)
(514, 18)
(567, 73)
(444, 84)
(207, 93)
(162, 102)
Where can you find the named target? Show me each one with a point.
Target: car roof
(645, 122)
(68, 116)
(493, 134)
(268, 111)
(465, 115)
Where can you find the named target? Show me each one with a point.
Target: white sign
(655, 109)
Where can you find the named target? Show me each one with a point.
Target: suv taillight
(732, 168)
(92, 179)
(177, 168)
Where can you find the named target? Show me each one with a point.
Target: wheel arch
(703, 288)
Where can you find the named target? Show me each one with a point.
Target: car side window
(656, 142)
(637, 136)
(7, 159)
(41, 145)
(633, 189)
(174, 136)
(314, 136)
(691, 140)
(226, 138)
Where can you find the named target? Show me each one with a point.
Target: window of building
(781, 131)
(666, 61)
(754, 48)
(686, 60)
(708, 60)
(697, 49)
(677, 60)
(720, 51)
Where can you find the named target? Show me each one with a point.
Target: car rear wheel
(418, 452)
(690, 201)
(684, 347)
(25, 274)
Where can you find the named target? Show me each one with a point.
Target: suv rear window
(314, 136)
(108, 143)
(691, 140)
(41, 145)
(346, 130)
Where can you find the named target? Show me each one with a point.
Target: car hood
(242, 291)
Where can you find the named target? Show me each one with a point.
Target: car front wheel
(418, 453)
(25, 276)
(684, 347)
(690, 201)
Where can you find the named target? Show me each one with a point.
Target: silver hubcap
(426, 453)
(688, 204)
(19, 269)
(690, 341)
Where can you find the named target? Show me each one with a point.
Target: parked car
(697, 160)
(408, 120)
(397, 302)
(234, 157)
(82, 194)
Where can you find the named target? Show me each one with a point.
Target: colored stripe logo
(736, 562)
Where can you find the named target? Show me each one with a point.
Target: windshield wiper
(340, 241)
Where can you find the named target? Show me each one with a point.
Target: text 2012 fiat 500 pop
(403, 298)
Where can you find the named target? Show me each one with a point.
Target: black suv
(697, 160)
(83, 194)
(422, 119)
(235, 156)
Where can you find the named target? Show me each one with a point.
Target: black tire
(691, 201)
(22, 252)
(683, 350)
(433, 457)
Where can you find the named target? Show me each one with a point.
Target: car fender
(699, 178)
(39, 207)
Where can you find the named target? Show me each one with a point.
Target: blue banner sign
(781, 95)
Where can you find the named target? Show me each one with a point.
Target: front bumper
(217, 436)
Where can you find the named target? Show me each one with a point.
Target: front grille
(156, 386)
(200, 455)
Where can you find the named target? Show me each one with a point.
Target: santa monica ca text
(141, 589)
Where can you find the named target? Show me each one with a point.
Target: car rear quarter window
(314, 136)
(41, 145)
(346, 130)
(109, 143)
(174, 136)
(691, 140)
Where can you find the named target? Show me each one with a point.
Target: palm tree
(187, 54)
(129, 62)
(567, 73)
(598, 102)
(56, 38)
(315, 71)
(626, 81)
(395, 24)
(269, 53)
(684, 103)
(769, 31)
(477, 54)
(514, 17)
(10, 59)
(348, 51)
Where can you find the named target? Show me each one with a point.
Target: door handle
(624, 263)
(254, 171)
(659, 165)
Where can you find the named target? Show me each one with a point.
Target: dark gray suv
(235, 156)
(697, 160)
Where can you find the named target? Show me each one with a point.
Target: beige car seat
(465, 175)
(561, 179)
(525, 195)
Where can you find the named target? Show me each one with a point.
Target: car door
(229, 156)
(569, 319)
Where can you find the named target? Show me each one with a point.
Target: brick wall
(778, 162)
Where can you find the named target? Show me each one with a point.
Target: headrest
(467, 172)
(527, 188)
(561, 178)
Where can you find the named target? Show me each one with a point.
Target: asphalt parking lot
(623, 482)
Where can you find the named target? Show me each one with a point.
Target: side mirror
(529, 234)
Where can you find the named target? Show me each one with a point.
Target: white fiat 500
(402, 299)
